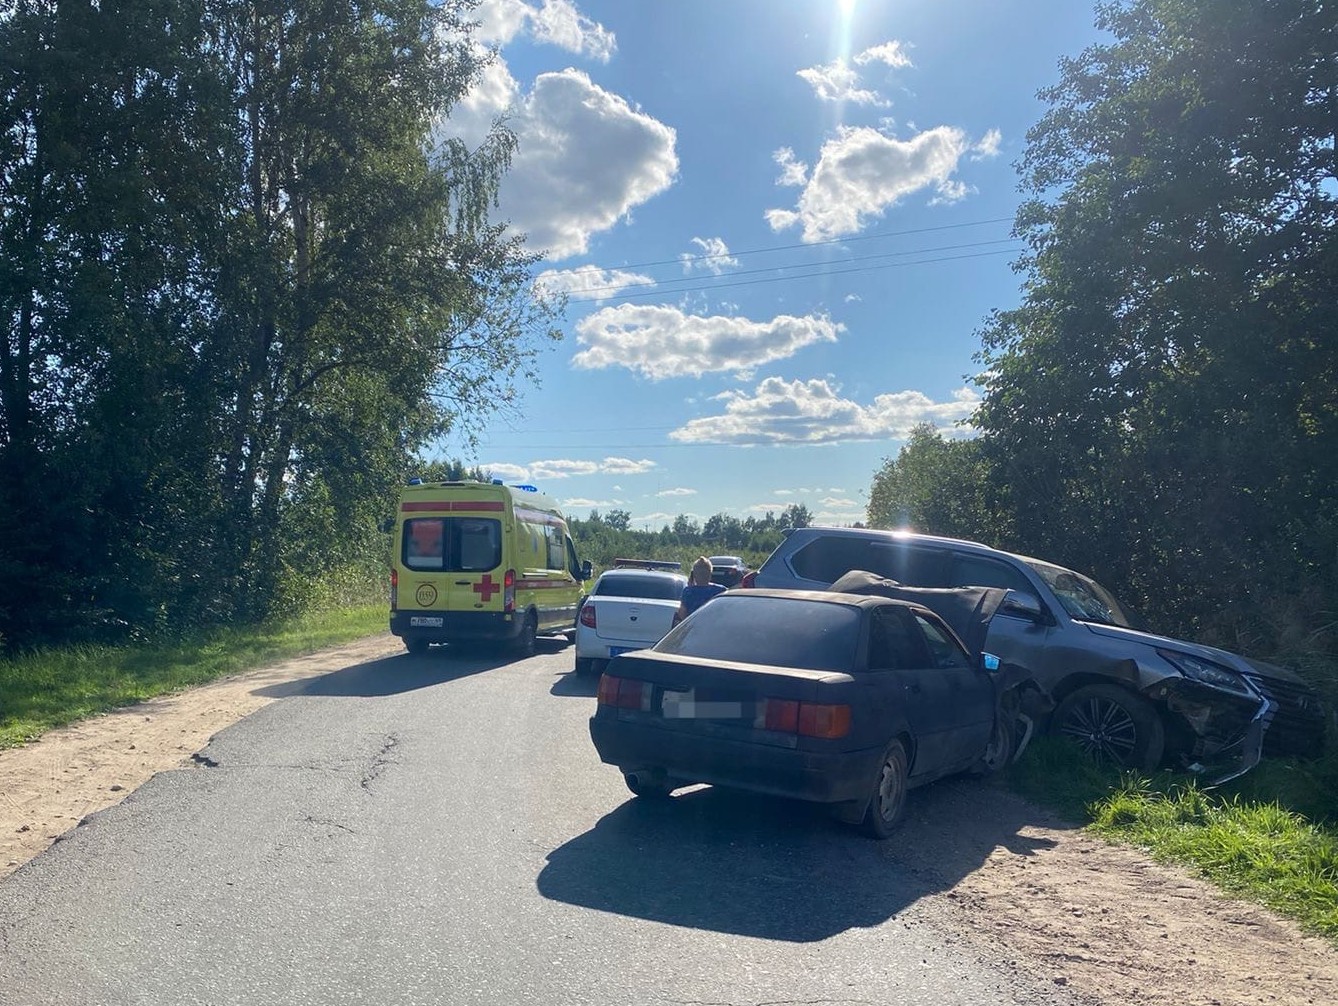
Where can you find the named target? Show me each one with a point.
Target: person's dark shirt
(694, 596)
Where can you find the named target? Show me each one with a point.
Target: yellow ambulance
(481, 561)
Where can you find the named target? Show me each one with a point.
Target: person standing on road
(699, 590)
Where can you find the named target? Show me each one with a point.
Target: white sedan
(629, 609)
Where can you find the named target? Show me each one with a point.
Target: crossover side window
(978, 571)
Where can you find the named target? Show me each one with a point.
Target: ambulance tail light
(394, 589)
(509, 592)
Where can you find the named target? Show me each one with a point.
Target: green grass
(1271, 836)
(49, 688)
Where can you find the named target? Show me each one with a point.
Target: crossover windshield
(1083, 598)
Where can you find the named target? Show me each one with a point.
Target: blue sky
(779, 224)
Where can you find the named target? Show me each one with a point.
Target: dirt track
(1103, 921)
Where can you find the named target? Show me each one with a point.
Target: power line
(753, 272)
(819, 244)
(791, 277)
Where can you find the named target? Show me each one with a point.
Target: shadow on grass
(1055, 774)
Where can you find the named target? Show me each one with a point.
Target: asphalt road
(439, 830)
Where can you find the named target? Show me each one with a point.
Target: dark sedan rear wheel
(1112, 725)
(889, 793)
(648, 785)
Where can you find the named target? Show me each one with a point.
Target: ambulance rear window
(452, 544)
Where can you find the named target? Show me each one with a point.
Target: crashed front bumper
(1227, 729)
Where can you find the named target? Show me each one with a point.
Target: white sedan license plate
(426, 621)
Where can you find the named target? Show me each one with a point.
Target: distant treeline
(601, 538)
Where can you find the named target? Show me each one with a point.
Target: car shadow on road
(749, 865)
(576, 685)
(392, 675)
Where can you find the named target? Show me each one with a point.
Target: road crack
(384, 757)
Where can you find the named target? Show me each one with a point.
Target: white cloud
(581, 503)
(812, 412)
(556, 22)
(659, 517)
(561, 469)
(793, 172)
(506, 472)
(660, 341)
(838, 516)
(590, 281)
(892, 53)
(560, 23)
(500, 21)
(861, 173)
(677, 492)
(853, 298)
(836, 81)
(626, 466)
(783, 492)
(987, 145)
(714, 256)
(843, 504)
(764, 507)
(586, 159)
(951, 191)
(492, 95)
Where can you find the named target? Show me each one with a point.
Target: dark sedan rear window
(665, 588)
(785, 632)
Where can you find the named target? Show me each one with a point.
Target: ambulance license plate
(426, 621)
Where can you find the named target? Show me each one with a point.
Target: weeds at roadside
(1271, 836)
(52, 687)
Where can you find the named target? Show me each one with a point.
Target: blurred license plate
(426, 621)
(687, 706)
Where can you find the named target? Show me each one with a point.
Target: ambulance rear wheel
(416, 647)
(525, 643)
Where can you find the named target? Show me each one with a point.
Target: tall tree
(944, 487)
(245, 272)
(371, 302)
(1166, 394)
(109, 114)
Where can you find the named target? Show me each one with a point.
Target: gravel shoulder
(1101, 921)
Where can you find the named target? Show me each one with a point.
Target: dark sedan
(840, 699)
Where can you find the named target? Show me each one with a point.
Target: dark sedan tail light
(624, 693)
(808, 719)
(749, 579)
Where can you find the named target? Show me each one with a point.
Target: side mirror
(386, 526)
(587, 570)
(1023, 606)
